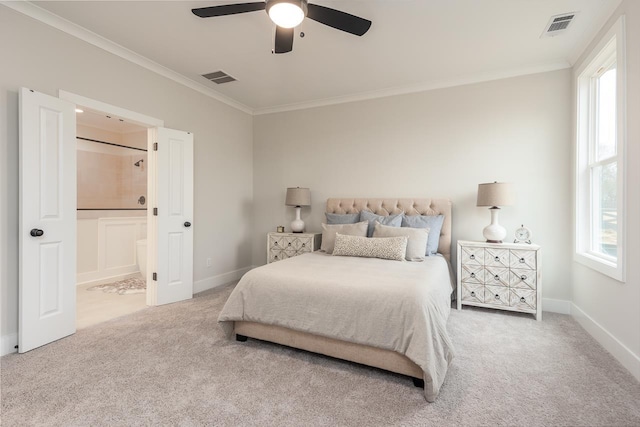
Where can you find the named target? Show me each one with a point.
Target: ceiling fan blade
(284, 40)
(228, 9)
(338, 20)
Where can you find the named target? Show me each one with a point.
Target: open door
(47, 271)
(173, 182)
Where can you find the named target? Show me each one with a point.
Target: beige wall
(440, 143)
(609, 309)
(46, 60)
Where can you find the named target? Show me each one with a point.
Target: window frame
(610, 50)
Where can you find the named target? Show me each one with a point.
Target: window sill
(608, 268)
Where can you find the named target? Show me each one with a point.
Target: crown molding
(581, 47)
(405, 90)
(31, 10)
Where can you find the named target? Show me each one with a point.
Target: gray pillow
(417, 244)
(432, 222)
(333, 218)
(329, 233)
(391, 220)
(393, 248)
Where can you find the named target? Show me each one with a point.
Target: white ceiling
(412, 45)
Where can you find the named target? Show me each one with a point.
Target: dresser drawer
(522, 278)
(277, 255)
(472, 292)
(522, 259)
(472, 274)
(287, 245)
(472, 256)
(523, 299)
(497, 276)
(494, 257)
(496, 295)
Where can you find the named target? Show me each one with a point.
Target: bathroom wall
(108, 177)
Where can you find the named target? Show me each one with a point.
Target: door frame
(151, 124)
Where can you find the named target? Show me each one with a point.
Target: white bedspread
(399, 306)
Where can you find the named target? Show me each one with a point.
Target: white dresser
(500, 275)
(286, 245)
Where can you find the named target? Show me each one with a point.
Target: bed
(386, 314)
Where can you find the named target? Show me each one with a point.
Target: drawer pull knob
(289, 243)
(521, 260)
(523, 277)
(303, 245)
(473, 275)
(497, 258)
(473, 294)
(522, 299)
(472, 257)
(497, 296)
(276, 243)
(496, 277)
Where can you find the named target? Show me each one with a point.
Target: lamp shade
(298, 197)
(495, 194)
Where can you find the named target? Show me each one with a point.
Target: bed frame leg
(418, 382)
(241, 338)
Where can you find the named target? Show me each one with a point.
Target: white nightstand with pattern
(286, 245)
(504, 276)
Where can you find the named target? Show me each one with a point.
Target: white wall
(609, 309)
(440, 143)
(39, 57)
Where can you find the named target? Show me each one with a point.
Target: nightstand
(503, 276)
(286, 245)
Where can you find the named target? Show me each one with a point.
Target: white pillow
(418, 237)
(329, 233)
(393, 248)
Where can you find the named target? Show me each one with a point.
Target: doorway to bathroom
(48, 212)
(112, 165)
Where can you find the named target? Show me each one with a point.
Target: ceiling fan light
(287, 14)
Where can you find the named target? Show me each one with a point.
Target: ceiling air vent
(219, 77)
(558, 24)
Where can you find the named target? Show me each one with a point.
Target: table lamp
(495, 194)
(298, 197)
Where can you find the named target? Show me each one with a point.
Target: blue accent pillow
(333, 218)
(432, 222)
(391, 220)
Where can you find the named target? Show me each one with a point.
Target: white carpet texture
(171, 365)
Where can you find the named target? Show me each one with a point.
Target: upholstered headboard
(394, 206)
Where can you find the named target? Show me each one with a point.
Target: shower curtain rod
(110, 143)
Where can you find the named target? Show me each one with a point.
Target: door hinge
(155, 146)
(155, 277)
(155, 211)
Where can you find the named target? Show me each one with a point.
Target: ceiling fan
(287, 14)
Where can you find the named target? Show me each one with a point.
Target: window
(600, 216)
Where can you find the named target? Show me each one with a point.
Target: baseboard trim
(219, 280)
(556, 306)
(8, 344)
(621, 352)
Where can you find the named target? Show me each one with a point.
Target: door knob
(187, 224)
(36, 232)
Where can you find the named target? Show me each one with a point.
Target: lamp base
(494, 232)
(297, 225)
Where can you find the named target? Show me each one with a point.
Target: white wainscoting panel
(107, 247)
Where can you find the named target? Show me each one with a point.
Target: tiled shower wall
(111, 181)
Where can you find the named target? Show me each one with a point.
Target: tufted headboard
(394, 206)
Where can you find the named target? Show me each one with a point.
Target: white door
(47, 286)
(174, 184)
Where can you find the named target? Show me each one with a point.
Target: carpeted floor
(171, 365)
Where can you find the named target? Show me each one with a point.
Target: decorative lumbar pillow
(391, 220)
(432, 222)
(333, 218)
(417, 244)
(329, 233)
(393, 248)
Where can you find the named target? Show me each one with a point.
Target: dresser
(286, 245)
(500, 275)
